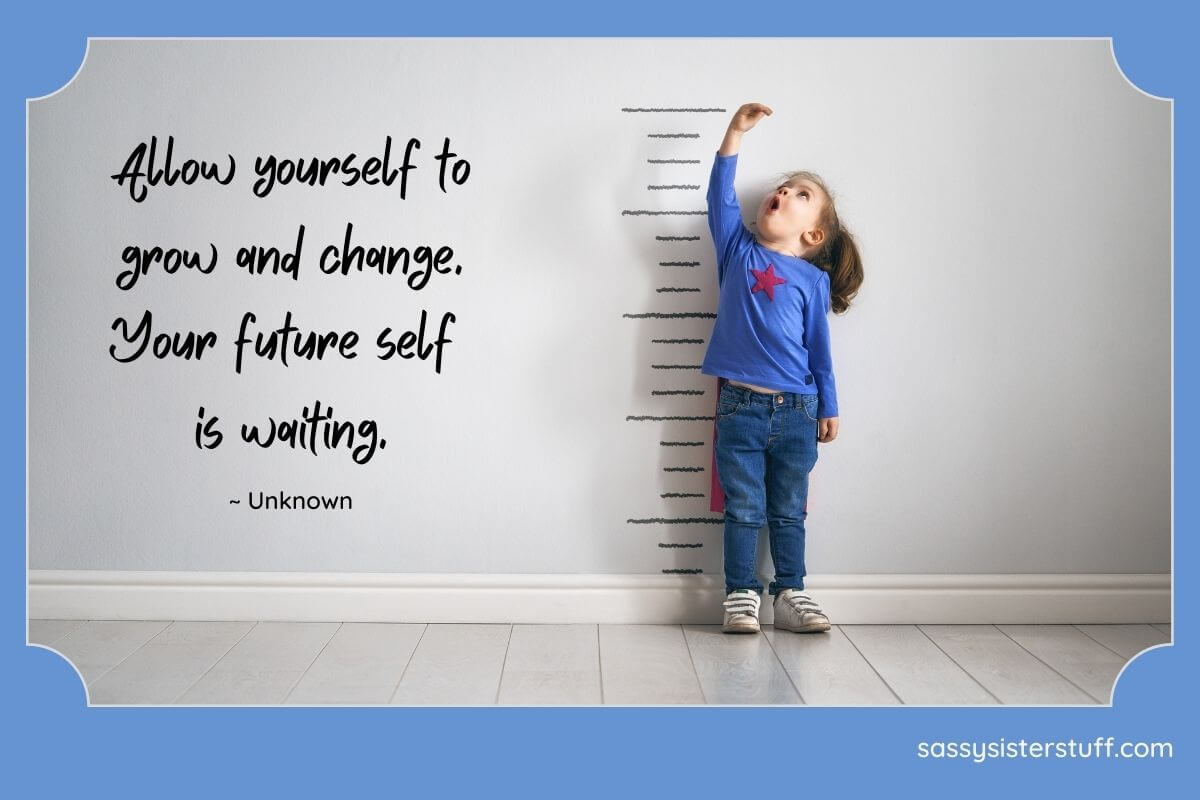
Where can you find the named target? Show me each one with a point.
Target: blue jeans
(766, 446)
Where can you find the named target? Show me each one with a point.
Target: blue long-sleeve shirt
(782, 342)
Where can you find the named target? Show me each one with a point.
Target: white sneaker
(795, 611)
(741, 612)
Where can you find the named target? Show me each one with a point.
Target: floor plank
(99, 645)
(1165, 627)
(49, 631)
(264, 666)
(361, 665)
(828, 670)
(455, 664)
(1007, 669)
(1069, 651)
(738, 668)
(551, 665)
(1126, 640)
(128, 662)
(160, 670)
(914, 667)
(647, 665)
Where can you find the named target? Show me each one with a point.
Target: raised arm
(731, 142)
(724, 212)
(743, 120)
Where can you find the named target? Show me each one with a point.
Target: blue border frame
(56, 744)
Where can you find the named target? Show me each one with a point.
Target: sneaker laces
(742, 603)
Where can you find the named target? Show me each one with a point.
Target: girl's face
(787, 217)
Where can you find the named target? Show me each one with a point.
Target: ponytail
(841, 259)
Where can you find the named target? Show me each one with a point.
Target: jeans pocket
(809, 403)
(727, 408)
(729, 403)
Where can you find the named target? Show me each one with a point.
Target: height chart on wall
(676, 173)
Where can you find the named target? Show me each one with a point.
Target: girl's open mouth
(775, 204)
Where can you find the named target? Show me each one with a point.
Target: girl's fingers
(756, 108)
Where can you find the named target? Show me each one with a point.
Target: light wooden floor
(316, 663)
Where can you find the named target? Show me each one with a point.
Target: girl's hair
(839, 254)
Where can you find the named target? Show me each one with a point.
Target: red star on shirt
(767, 281)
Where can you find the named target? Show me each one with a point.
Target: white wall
(1004, 377)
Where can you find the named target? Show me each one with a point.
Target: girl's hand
(748, 116)
(827, 429)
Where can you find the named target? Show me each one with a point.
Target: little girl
(771, 354)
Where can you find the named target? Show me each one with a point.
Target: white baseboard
(590, 598)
